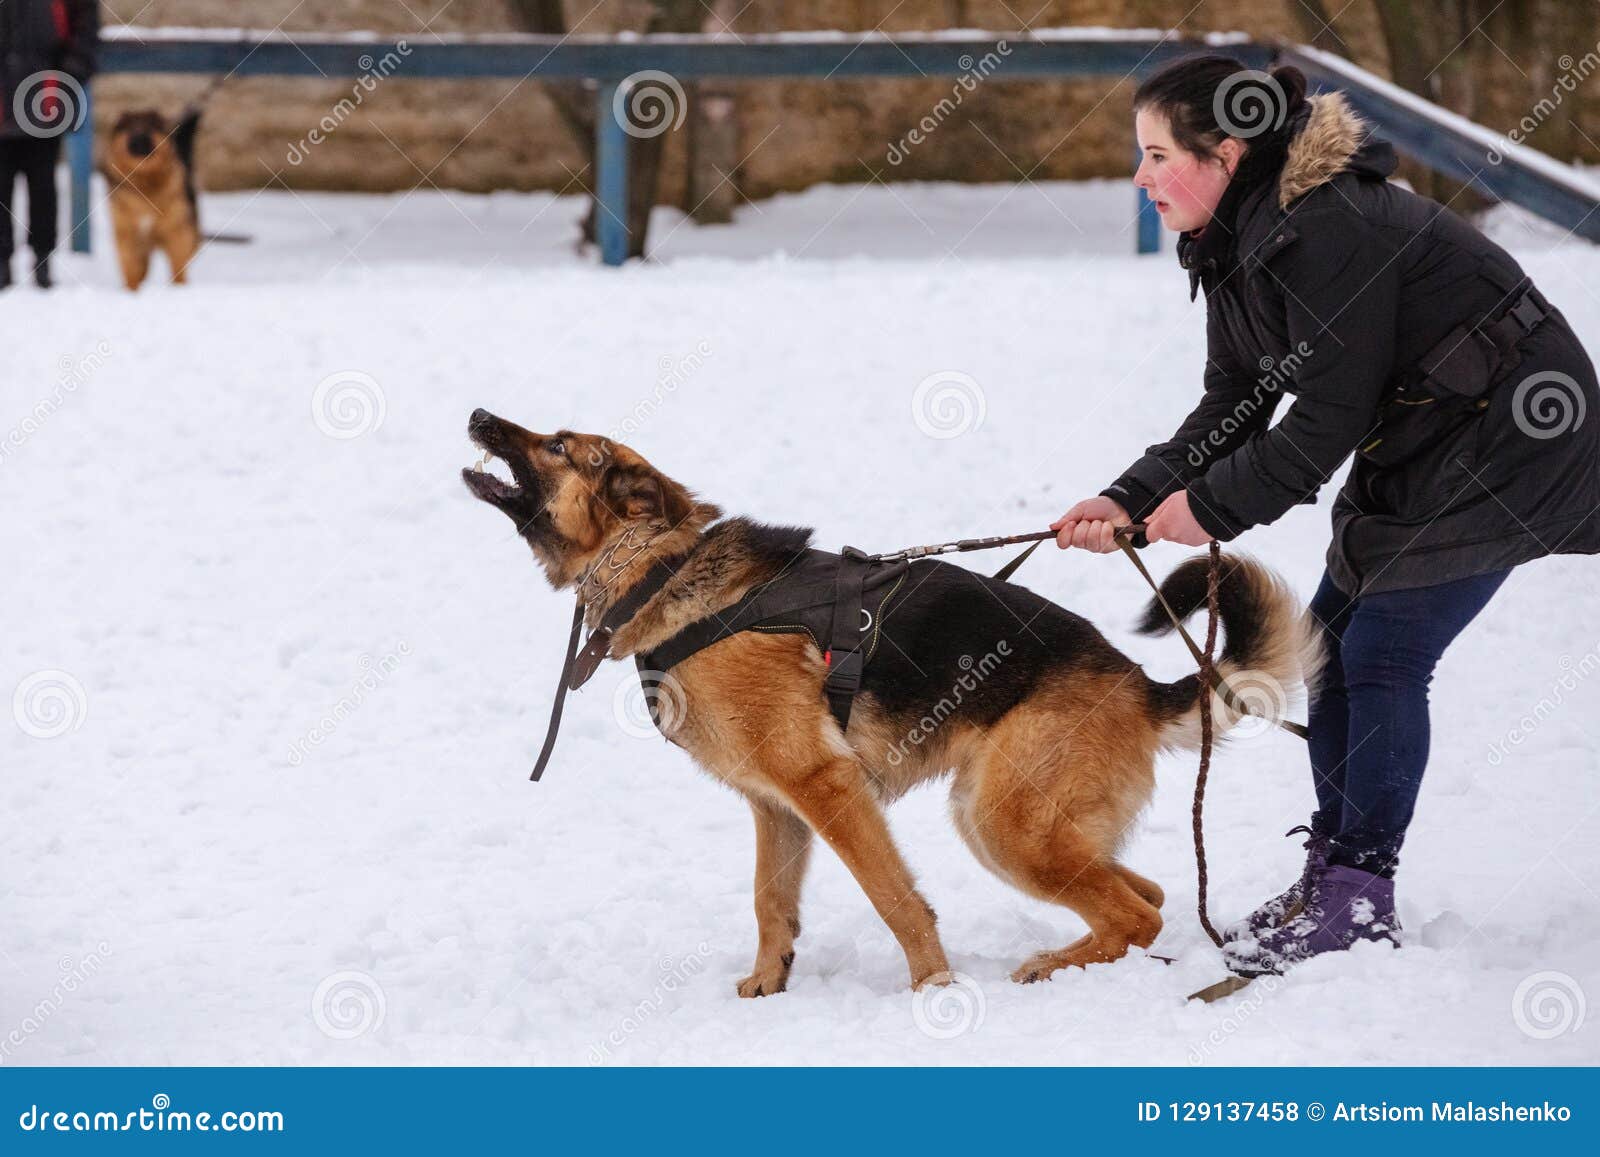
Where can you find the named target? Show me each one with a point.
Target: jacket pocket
(1415, 416)
(1462, 364)
(1444, 389)
(1425, 480)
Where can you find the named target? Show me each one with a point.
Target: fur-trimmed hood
(1334, 140)
(1329, 140)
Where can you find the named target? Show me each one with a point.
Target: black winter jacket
(1327, 282)
(44, 36)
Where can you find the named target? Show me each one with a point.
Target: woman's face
(1185, 187)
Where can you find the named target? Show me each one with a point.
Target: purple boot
(1287, 903)
(1342, 905)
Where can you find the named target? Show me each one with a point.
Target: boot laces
(1313, 842)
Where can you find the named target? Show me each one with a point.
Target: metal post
(611, 184)
(80, 165)
(1149, 219)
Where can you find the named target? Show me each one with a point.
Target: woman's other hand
(1091, 525)
(1173, 522)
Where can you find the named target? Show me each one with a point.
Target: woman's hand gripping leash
(1095, 523)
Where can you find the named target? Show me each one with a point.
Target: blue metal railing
(1051, 53)
(1439, 139)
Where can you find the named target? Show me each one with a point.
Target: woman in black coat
(1410, 341)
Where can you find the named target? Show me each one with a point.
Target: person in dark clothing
(47, 54)
(1411, 342)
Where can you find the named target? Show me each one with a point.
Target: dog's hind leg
(836, 799)
(1149, 889)
(1118, 917)
(783, 848)
(1045, 806)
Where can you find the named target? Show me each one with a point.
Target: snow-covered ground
(279, 680)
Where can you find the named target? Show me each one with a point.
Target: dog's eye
(557, 447)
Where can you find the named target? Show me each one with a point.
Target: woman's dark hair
(1208, 98)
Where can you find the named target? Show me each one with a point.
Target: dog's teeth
(482, 462)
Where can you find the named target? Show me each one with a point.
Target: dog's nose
(140, 145)
(480, 418)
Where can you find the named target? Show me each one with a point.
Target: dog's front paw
(934, 980)
(769, 979)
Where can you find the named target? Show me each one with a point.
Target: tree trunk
(1316, 27)
(644, 153)
(714, 135)
(1419, 39)
(575, 102)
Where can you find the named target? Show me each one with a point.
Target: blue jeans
(1369, 718)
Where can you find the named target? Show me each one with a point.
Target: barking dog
(1051, 737)
(152, 196)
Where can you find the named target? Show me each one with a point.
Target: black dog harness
(837, 599)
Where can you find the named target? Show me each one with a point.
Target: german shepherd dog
(147, 164)
(1052, 749)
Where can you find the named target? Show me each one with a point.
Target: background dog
(1051, 736)
(152, 194)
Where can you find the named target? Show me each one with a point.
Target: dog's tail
(1270, 646)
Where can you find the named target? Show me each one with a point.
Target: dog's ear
(640, 492)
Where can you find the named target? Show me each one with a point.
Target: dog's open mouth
(490, 478)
